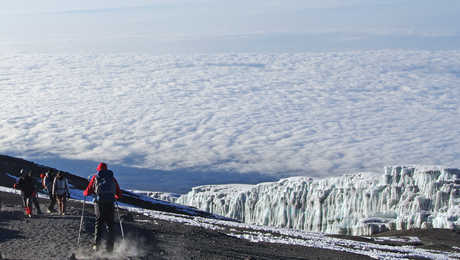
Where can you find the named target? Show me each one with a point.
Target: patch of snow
(404, 239)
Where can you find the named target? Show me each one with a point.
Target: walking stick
(119, 219)
(81, 222)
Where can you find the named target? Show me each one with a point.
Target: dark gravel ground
(51, 236)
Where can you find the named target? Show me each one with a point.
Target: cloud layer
(283, 114)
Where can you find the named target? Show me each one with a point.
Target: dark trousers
(104, 219)
(52, 202)
(27, 202)
(36, 204)
(28, 198)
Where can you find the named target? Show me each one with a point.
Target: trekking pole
(119, 219)
(81, 222)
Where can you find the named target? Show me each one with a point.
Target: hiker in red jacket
(106, 190)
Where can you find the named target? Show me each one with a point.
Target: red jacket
(90, 189)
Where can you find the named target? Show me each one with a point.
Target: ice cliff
(165, 196)
(403, 197)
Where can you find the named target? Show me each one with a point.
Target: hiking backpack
(61, 186)
(104, 186)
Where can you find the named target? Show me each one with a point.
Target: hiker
(61, 191)
(27, 187)
(105, 187)
(47, 184)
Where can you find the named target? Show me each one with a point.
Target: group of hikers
(56, 186)
(103, 186)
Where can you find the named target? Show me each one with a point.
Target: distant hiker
(61, 191)
(35, 194)
(26, 185)
(47, 184)
(105, 187)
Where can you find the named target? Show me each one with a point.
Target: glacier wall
(404, 197)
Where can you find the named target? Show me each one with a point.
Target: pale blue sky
(220, 26)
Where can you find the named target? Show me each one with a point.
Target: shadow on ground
(7, 234)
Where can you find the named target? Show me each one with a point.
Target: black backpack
(104, 186)
(26, 185)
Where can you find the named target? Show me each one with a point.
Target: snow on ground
(399, 239)
(316, 114)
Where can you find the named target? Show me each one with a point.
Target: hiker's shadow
(7, 234)
(89, 226)
(130, 230)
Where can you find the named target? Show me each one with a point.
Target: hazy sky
(227, 26)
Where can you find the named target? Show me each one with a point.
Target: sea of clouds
(277, 115)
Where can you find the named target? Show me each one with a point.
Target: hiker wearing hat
(26, 185)
(47, 184)
(61, 191)
(106, 190)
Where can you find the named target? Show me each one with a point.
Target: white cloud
(281, 114)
